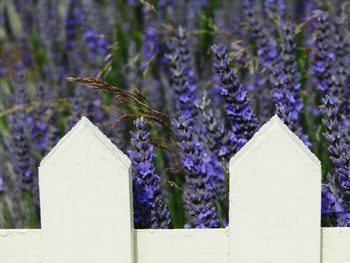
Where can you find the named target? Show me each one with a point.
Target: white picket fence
(85, 191)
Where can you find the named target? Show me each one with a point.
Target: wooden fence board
(275, 199)
(182, 245)
(85, 194)
(170, 246)
(336, 244)
(20, 246)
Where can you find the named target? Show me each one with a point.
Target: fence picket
(275, 198)
(86, 200)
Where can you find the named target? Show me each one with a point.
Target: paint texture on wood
(151, 246)
(336, 245)
(182, 245)
(85, 192)
(275, 198)
(170, 246)
(20, 246)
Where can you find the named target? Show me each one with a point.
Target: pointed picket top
(86, 124)
(275, 199)
(277, 125)
(86, 206)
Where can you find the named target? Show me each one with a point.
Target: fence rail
(85, 191)
(170, 246)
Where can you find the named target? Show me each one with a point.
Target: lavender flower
(50, 24)
(150, 209)
(213, 129)
(97, 44)
(77, 108)
(215, 139)
(26, 13)
(12, 195)
(275, 8)
(182, 76)
(38, 133)
(341, 52)
(341, 69)
(266, 44)
(85, 103)
(150, 47)
(258, 88)
(2, 183)
(238, 106)
(44, 128)
(21, 153)
(331, 209)
(286, 82)
(2, 69)
(199, 201)
(92, 103)
(74, 21)
(337, 192)
(323, 55)
(39, 126)
(19, 144)
(97, 49)
(53, 135)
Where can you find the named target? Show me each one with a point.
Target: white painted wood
(336, 244)
(20, 246)
(85, 193)
(170, 246)
(152, 246)
(275, 198)
(182, 246)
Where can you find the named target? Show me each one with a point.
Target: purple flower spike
(337, 193)
(20, 155)
(182, 76)
(74, 21)
(199, 198)
(150, 209)
(97, 44)
(238, 106)
(286, 82)
(214, 133)
(275, 8)
(2, 184)
(323, 55)
(266, 44)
